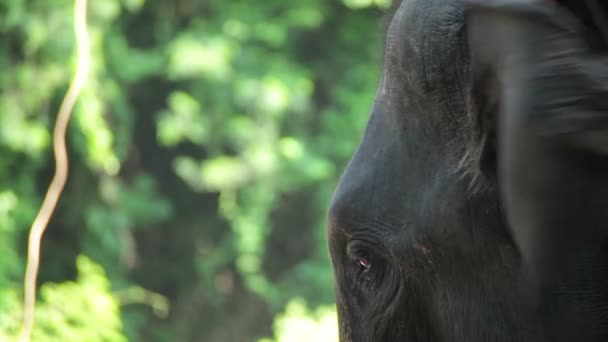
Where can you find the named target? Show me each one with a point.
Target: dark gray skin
(474, 207)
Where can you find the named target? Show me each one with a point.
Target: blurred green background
(204, 150)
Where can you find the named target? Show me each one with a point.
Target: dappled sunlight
(366, 3)
(183, 120)
(301, 324)
(190, 58)
(203, 152)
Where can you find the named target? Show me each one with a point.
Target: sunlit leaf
(106, 10)
(192, 57)
(235, 28)
(183, 121)
(60, 314)
(275, 95)
(291, 148)
(299, 324)
(224, 173)
(133, 5)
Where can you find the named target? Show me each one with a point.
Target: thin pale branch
(61, 168)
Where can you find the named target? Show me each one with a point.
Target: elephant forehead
(425, 50)
(422, 20)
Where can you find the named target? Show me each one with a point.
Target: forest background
(204, 149)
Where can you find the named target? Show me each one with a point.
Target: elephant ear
(545, 66)
(487, 51)
(593, 13)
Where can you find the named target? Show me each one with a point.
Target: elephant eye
(360, 254)
(365, 263)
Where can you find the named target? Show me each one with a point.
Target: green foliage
(81, 310)
(84, 310)
(204, 150)
(299, 324)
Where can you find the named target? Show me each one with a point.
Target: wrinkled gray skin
(474, 207)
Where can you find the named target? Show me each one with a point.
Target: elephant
(474, 207)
